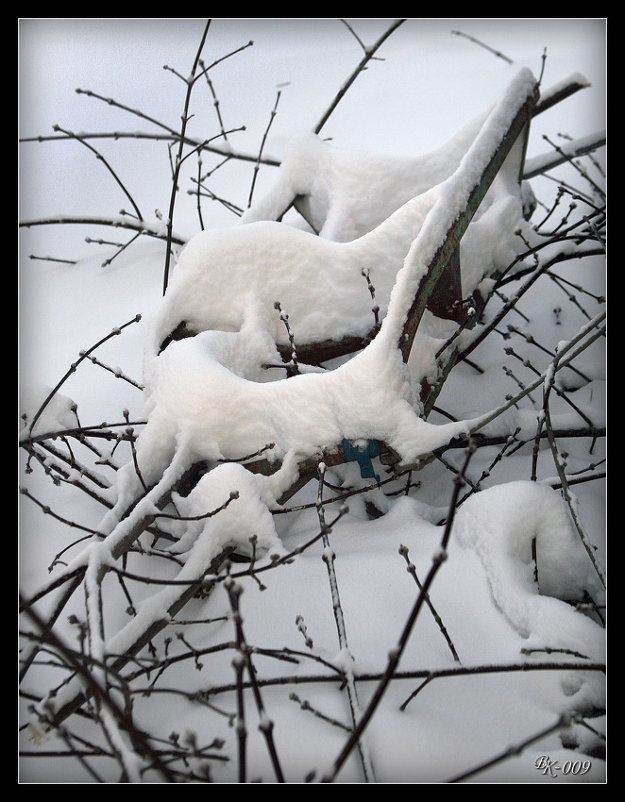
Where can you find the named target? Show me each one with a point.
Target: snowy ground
(429, 84)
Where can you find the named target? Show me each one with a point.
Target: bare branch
(83, 355)
(101, 158)
(369, 52)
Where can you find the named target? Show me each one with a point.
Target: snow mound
(500, 525)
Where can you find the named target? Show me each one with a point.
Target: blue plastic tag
(363, 456)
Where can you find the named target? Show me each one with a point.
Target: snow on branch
(538, 165)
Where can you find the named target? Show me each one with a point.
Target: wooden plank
(457, 229)
(560, 92)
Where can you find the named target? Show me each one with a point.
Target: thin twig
(266, 724)
(411, 568)
(328, 558)
(101, 158)
(396, 653)
(565, 486)
(185, 118)
(83, 355)
(497, 53)
(563, 722)
(262, 147)
(369, 53)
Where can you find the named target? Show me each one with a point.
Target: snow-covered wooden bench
(230, 280)
(207, 408)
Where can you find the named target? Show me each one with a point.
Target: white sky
(429, 83)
